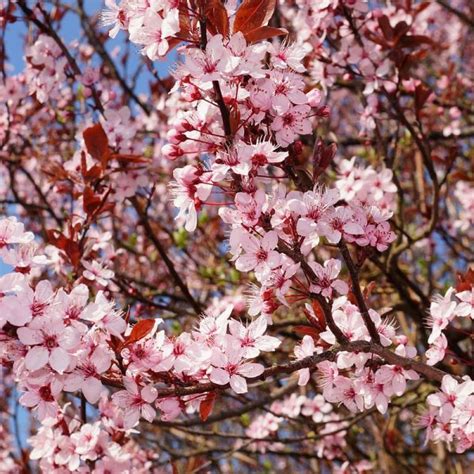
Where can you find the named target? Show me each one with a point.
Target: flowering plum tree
(256, 262)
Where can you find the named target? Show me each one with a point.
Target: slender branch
(49, 30)
(461, 15)
(102, 52)
(432, 374)
(308, 271)
(161, 250)
(364, 311)
(215, 85)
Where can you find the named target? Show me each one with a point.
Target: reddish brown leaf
(387, 30)
(90, 201)
(216, 16)
(252, 14)
(263, 33)
(90, 174)
(422, 94)
(140, 330)
(466, 281)
(400, 30)
(206, 406)
(351, 297)
(69, 246)
(414, 41)
(307, 331)
(184, 23)
(318, 311)
(124, 158)
(97, 143)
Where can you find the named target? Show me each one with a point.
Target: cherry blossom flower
(228, 368)
(42, 393)
(394, 378)
(437, 350)
(305, 349)
(13, 232)
(95, 271)
(86, 375)
(292, 123)
(452, 393)
(136, 402)
(259, 255)
(327, 278)
(252, 339)
(345, 392)
(189, 193)
(50, 342)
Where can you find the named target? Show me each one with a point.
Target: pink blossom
(394, 378)
(437, 350)
(13, 232)
(189, 193)
(346, 393)
(86, 375)
(259, 255)
(95, 271)
(229, 368)
(42, 393)
(252, 339)
(305, 349)
(49, 341)
(136, 402)
(452, 393)
(327, 280)
(291, 124)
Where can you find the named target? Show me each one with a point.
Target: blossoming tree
(256, 263)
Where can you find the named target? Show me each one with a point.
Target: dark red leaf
(124, 158)
(69, 246)
(234, 119)
(206, 406)
(252, 14)
(414, 41)
(97, 143)
(466, 281)
(140, 330)
(422, 94)
(90, 201)
(384, 24)
(307, 331)
(263, 33)
(216, 16)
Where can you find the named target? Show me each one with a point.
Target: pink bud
(314, 97)
(171, 152)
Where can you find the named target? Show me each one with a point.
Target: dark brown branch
(461, 15)
(364, 311)
(215, 84)
(161, 250)
(102, 52)
(48, 29)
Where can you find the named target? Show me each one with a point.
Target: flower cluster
(332, 436)
(259, 221)
(152, 26)
(60, 341)
(450, 417)
(46, 69)
(443, 311)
